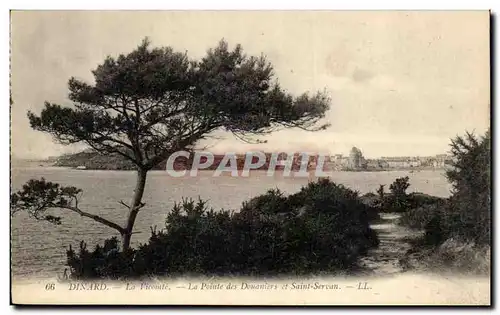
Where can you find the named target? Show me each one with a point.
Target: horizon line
(19, 158)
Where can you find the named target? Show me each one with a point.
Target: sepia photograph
(338, 158)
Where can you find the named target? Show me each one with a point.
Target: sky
(401, 83)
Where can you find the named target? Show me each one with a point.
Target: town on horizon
(301, 161)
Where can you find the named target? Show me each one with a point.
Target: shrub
(419, 217)
(322, 228)
(466, 214)
(457, 230)
(397, 200)
(417, 200)
(371, 201)
(421, 210)
(104, 261)
(470, 176)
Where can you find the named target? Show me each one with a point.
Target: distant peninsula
(94, 161)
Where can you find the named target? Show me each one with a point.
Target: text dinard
(90, 286)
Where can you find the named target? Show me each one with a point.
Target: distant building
(383, 164)
(396, 162)
(441, 160)
(356, 159)
(338, 162)
(372, 164)
(438, 161)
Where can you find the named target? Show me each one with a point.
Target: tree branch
(124, 204)
(92, 216)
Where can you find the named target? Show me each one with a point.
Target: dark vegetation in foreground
(322, 228)
(458, 229)
(397, 200)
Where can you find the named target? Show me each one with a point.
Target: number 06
(50, 286)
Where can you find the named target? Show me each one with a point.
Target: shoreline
(410, 170)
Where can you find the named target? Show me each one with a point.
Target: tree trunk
(135, 206)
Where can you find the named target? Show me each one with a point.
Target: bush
(419, 217)
(371, 201)
(417, 200)
(103, 260)
(322, 228)
(467, 213)
(397, 200)
(457, 230)
(421, 210)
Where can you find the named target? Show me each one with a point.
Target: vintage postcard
(250, 158)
